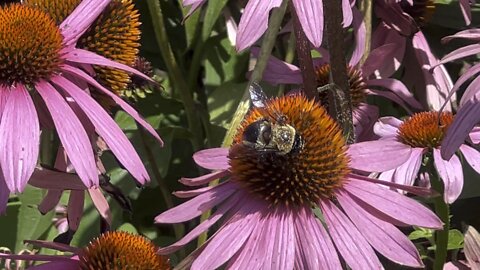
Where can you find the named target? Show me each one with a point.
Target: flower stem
(441, 238)
(242, 109)
(366, 9)
(175, 73)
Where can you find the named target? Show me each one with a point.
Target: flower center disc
(425, 129)
(30, 44)
(301, 176)
(421, 10)
(355, 80)
(121, 250)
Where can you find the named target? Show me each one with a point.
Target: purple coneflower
(401, 25)
(254, 20)
(40, 66)
(421, 134)
(268, 198)
(111, 250)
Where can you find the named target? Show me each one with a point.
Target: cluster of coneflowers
(320, 204)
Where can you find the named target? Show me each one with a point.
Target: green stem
(366, 9)
(441, 238)
(166, 194)
(242, 109)
(175, 73)
(289, 56)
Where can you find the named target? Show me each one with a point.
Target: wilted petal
(465, 119)
(383, 236)
(351, 244)
(472, 156)
(212, 159)
(19, 139)
(254, 21)
(451, 173)
(378, 156)
(393, 204)
(310, 15)
(196, 206)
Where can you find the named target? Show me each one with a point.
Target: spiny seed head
(425, 129)
(355, 80)
(122, 251)
(139, 88)
(421, 10)
(302, 176)
(30, 44)
(57, 9)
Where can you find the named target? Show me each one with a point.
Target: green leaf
(223, 102)
(128, 227)
(213, 11)
(455, 239)
(8, 223)
(420, 233)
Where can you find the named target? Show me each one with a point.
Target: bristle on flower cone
(425, 129)
(30, 43)
(357, 84)
(122, 250)
(302, 176)
(115, 34)
(421, 10)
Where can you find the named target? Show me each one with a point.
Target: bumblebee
(274, 136)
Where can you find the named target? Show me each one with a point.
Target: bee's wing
(257, 96)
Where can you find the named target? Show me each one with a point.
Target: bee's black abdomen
(251, 132)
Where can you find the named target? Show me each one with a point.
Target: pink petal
(403, 95)
(314, 246)
(53, 245)
(228, 239)
(310, 15)
(80, 19)
(75, 208)
(254, 22)
(212, 159)
(204, 179)
(349, 241)
(472, 156)
(387, 127)
(347, 11)
(19, 139)
(50, 200)
(196, 206)
(393, 204)
(392, 14)
(472, 71)
(466, 10)
(101, 204)
(281, 247)
(475, 135)
(471, 91)
(202, 227)
(358, 29)
(36, 257)
(383, 236)
(72, 134)
(107, 129)
(472, 248)
(58, 265)
(278, 71)
(185, 194)
(364, 118)
(374, 61)
(384, 35)
(49, 179)
(465, 119)
(471, 34)
(407, 172)
(451, 173)
(365, 156)
(419, 191)
(124, 105)
(461, 53)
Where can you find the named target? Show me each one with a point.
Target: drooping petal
(407, 172)
(50, 179)
(419, 191)
(475, 135)
(204, 179)
(219, 213)
(466, 10)
(465, 119)
(383, 236)
(212, 159)
(387, 127)
(349, 241)
(472, 247)
(397, 88)
(196, 206)
(194, 5)
(278, 71)
(348, 15)
(254, 22)
(393, 204)
(359, 30)
(107, 129)
(310, 15)
(365, 156)
(471, 34)
(58, 265)
(472, 156)
(281, 247)
(75, 208)
(461, 53)
(72, 134)
(392, 15)
(101, 204)
(80, 19)
(19, 138)
(228, 239)
(451, 173)
(385, 35)
(376, 58)
(120, 102)
(364, 118)
(471, 91)
(53, 245)
(314, 246)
